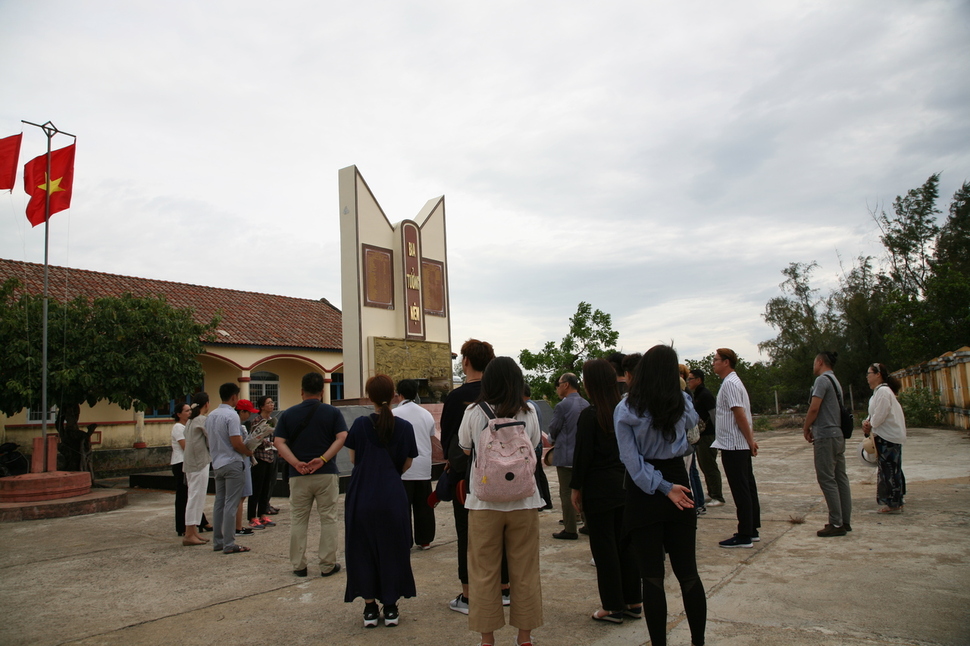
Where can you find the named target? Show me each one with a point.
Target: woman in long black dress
(378, 527)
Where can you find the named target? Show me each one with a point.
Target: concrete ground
(122, 577)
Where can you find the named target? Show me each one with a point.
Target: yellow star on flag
(51, 187)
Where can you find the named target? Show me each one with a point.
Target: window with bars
(265, 384)
(36, 416)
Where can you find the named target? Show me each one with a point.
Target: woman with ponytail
(196, 469)
(377, 522)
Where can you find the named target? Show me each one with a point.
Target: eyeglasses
(870, 372)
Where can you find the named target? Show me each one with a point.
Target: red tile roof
(249, 318)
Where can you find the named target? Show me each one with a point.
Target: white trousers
(198, 482)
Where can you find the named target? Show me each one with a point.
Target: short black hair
(227, 390)
(616, 360)
(312, 383)
(630, 362)
(828, 358)
(407, 388)
(697, 372)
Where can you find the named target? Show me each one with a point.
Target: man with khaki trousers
(309, 436)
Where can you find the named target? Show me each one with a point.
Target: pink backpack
(505, 461)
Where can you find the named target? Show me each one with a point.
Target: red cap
(246, 405)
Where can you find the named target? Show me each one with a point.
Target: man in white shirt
(417, 479)
(735, 438)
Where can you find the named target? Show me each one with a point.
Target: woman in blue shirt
(651, 431)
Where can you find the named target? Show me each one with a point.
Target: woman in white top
(181, 416)
(887, 423)
(511, 526)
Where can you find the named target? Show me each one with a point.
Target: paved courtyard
(123, 578)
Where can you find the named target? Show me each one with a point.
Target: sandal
(235, 549)
(188, 543)
(635, 612)
(607, 616)
(891, 510)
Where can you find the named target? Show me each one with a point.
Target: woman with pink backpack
(500, 433)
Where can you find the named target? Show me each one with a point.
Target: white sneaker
(715, 503)
(458, 605)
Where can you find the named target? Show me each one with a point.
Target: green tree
(590, 336)
(953, 244)
(807, 324)
(909, 236)
(136, 352)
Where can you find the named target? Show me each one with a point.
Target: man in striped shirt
(735, 439)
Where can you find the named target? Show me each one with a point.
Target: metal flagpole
(50, 130)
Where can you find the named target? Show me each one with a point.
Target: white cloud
(662, 162)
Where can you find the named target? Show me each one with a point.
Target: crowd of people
(628, 461)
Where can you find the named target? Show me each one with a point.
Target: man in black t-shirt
(475, 355)
(309, 436)
(705, 404)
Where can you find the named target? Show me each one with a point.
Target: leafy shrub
(762, 423)
(921, 405)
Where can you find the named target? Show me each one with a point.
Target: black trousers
(181, 498)
(421, 514)
(649, 543)
(264, 478)
(617, 576)
(744, 490)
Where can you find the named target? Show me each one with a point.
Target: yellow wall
(220, 364)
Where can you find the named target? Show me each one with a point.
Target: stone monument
(394, 292)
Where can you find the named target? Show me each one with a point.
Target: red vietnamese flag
(9, 156)
(61, 181)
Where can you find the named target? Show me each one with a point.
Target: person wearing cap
(229, 454)
(245, 409)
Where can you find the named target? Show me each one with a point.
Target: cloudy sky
(662, 161)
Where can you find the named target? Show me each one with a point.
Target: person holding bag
(887, 424)
(497, 525)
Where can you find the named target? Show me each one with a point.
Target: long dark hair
(599, 375)
(380, 390)
(656, 389)
(887, 378)
(503, 387)
(199, 400)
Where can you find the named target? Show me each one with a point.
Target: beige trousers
(518, 533)
(323, 488)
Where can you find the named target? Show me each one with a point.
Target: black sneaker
(737, 541)
(245, 531)
(391, 616)
(566, 536)
(371, 615)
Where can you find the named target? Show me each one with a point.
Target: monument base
(55, 494)
(32, 487)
